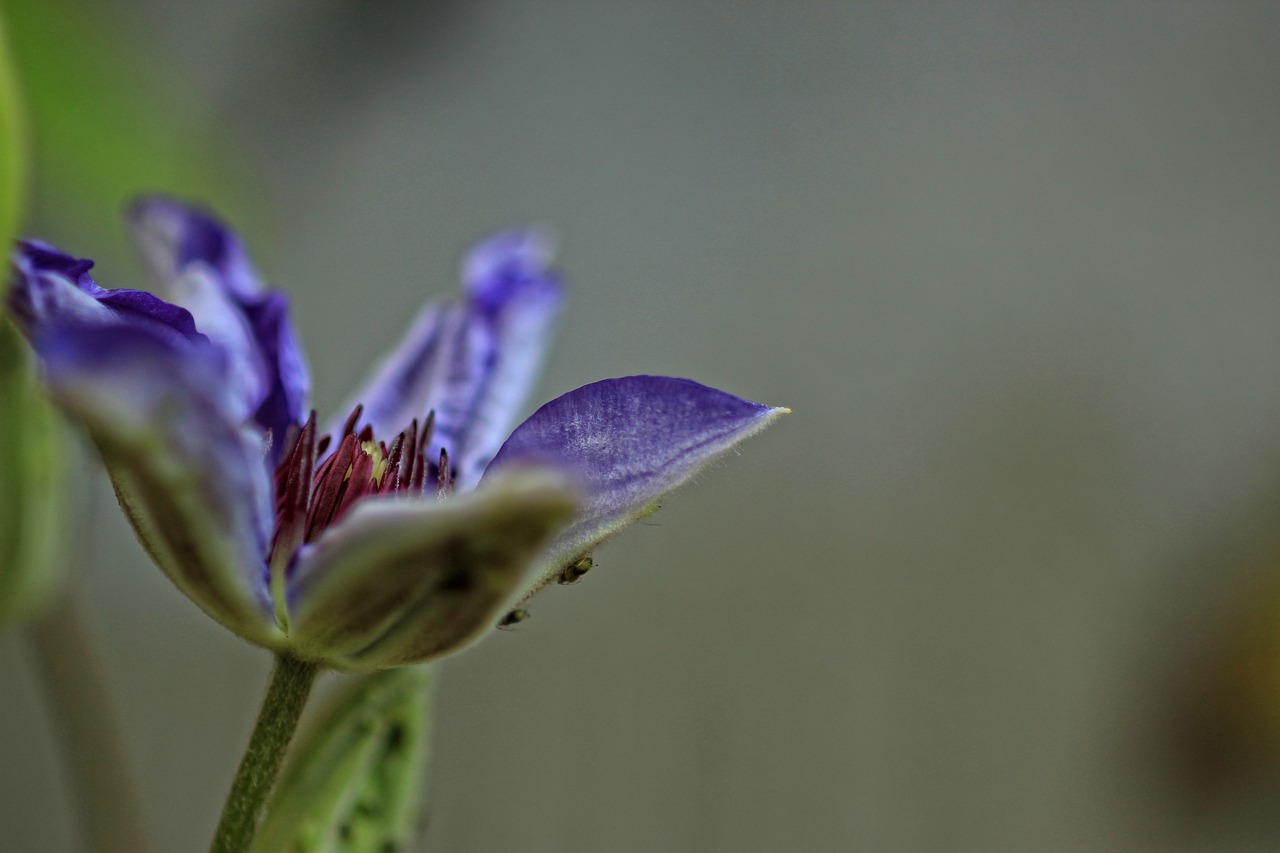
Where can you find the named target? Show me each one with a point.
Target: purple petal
(511, 286)
(50, 288)
(473, 362)
(175, 239)
(192, 482)
(497, 269)
(225, 325)
(398, 390)
(286, 401)
(404, 580)
(628, 441)
(172, 235)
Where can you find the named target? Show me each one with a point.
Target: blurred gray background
(1014, 266)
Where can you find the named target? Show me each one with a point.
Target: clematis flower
(398, 533)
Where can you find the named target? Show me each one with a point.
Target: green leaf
(109, 118)
(30, 466)
(12, 145)
(354, 783)
(30, 490)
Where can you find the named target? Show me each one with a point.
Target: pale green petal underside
(354, 783)
(399, 581)
(164, 504)
(173, 463)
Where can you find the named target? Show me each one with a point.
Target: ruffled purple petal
(191, 480)
(50, 288)
(473, 362)
(225, 325)
(172, 235)
(498, 269)
(628, 442)
(175, 238)
(288, 378)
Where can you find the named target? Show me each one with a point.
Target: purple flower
(399, 533)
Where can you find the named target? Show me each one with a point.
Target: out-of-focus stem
(82, 712)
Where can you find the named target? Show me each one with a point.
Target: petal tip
(511, 262)
(172, 233)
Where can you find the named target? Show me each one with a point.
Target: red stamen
(410, 456)
(290, 442)
(330, 484)
(391, 474)
(417, 480)
(293, 486)
(312, 490)
(419, 473)
(427, 430)
(445, 477)
(357, 485)
(350, 426)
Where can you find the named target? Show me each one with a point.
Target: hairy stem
(291, 682)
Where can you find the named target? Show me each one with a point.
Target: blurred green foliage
(88, 120)
(30, 468)
(12, 177)
(109, 120)
(30, 483)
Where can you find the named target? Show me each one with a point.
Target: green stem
(82, 713)
(277, 721)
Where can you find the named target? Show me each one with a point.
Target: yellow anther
(374, 449)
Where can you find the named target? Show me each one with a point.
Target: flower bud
(355, 781)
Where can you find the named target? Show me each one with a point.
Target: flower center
(314, 490)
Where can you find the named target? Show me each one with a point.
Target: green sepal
(399, 582)
(31, 491)
(354, 782)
